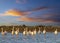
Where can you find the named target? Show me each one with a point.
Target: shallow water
(38, 38)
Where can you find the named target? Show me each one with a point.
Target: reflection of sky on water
(50, 38)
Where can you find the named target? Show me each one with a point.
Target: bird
(12, 31)
(34, 32)
(39, 31)
(44, 31)
(56, 32)
(3, 32)
(25, 32)
(17, 31)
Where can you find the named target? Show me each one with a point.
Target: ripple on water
(50, 38)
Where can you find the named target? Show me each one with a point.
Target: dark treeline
(21, 28)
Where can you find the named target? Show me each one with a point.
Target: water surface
(38, 38)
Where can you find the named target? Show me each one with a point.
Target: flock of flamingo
(26, 32)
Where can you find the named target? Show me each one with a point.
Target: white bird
(12, 31)
(56, 32)
(34, 32)
(44, 31)
(3, 32)
(17, 31)
(25, 32)
(39, 31)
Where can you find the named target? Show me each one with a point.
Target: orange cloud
(14, 12)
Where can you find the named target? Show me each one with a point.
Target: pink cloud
(28, 19)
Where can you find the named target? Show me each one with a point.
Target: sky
(29, 12)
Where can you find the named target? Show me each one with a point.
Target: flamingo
(55, 32)
(3, 32)
(39, 31)
(25, 32)
(12, 31)
(17, 31)
(34, 32)
(44, 32)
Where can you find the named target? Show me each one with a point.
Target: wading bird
(55, 32)
(39, 31)
(3, 32)
(44, 32)
(34, 32)
(25, 32)
(17, 31)
(12, 31)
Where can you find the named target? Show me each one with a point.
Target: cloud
(54, 17)
(39, 18)
(46, 18)
(39, 8)
(31, 19)
(24, 15)
(15, 12)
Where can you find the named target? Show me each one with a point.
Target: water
(38, 38)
